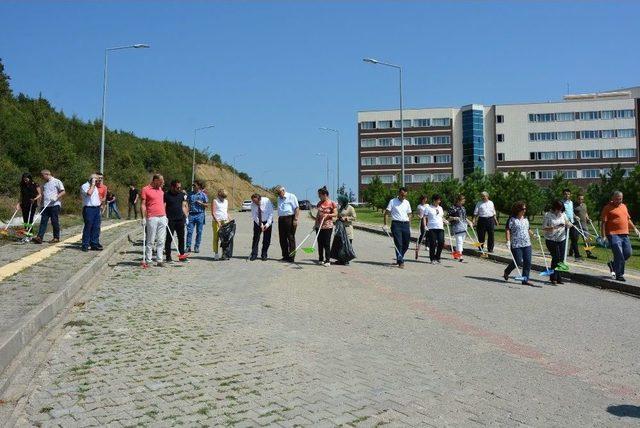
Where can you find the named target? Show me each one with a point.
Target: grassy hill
(35, 136)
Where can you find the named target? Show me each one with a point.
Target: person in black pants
(29, 195)
(327, 213)
(400, 211)
(435, 223)
(262, 214)
(288, 212)
(485, 220)
(555, 225)
(177, 211)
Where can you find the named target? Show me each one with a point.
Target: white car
(246, 205)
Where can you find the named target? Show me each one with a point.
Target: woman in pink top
(327, 212)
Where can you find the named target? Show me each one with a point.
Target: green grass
(367, 215)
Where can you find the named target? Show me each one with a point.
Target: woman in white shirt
(220, 212)
(435, 223)
(422, 207)
(486, 220)
(554, 226)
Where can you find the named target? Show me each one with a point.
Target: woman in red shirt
(327, 213)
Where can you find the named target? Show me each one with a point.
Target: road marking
(27, 261)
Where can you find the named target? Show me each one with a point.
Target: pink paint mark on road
(503, 342)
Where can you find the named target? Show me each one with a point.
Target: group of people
(167, 215)
(563, 225)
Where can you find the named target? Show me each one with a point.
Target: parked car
(305, 205)
(246, 205)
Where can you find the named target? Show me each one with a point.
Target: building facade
(580, 137)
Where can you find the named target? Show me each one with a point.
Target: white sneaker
(326, 264)
(216, 256)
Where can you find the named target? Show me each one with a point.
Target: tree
(5, 89)
(244, 176)
(554, 190)
(376, 193)
(599, 194)
(515, 187)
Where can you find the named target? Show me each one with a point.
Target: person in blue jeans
(52, 192)
(519, 241)
(197, 200)
(91, 215)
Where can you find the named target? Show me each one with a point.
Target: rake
(547, 271)
(563, 266)
(477, 243)
(5, 231)
(585, 235)
(291, 254)
(519, 277)
(27, 233)
(394, 242)
(312, 248)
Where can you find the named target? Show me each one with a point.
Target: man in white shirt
(400, 210)
(288, 211)
(52, 191)
(91, 215)
(262, 215)
(486, 221)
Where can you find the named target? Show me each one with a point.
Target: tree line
(35, 136)
(515, 186)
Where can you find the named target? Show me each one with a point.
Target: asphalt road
(258, 343)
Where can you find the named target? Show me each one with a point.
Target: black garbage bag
(227, 232)
(341, 249)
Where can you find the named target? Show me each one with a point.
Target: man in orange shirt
(615, 227)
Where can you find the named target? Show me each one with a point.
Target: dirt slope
(216, 178)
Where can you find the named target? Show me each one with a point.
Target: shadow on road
(625, 410)
(496, 280)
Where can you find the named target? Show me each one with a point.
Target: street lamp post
(326, 156)
(104, 94)
(233, 186)
(338, 154)
(399, 68)
(193, 165)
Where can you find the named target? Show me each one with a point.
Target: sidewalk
(585, 272)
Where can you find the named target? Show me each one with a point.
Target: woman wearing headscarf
(346, 217)
(346, 214)
(29, 195)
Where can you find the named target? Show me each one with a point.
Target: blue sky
(268, 74)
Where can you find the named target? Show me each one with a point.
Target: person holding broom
(615, 228)
(29, 195)
(519, 241)
(459, 223)
(400, 211)
(327, 213)
(555, 225)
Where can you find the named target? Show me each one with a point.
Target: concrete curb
(13, 341)
(580, 278)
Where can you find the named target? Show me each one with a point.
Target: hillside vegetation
(34, 136)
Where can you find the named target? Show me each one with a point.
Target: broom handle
(594, 228)
(303, 241)
(315, 241)
(394, 242)
(566, 243)
(514, 260)
(475, 234)
(12, 217)
(144, 244)
(450, 239)
(544, 257)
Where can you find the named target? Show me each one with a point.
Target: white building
(581, 137)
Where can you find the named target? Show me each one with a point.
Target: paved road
(256, 343)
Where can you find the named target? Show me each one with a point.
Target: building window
(590, 173)
(388, 179)
(445, 121)
(564, 117)
(590, 154)
(385, 142)
(422, 159)
(570, 174)
(407, 123)
(442, 159)
(547, 155)
(368, 142)
(385, 124)
(543, 136)
(566, 135)
(626, 133)
(442, 139)
(499, 118)
(420, 178)
(421, 141)
(625, 114)
(366, 179)
(572, 154)
(589, 135)
(589, 115)
(367, 161)
(608, 133)
(421, 123)
(386, 160)
(608, 154)
(441, 176)
(627, 153)
(368, 125)
(532, 175)
(546, 175)
(608, 114)
(500, 138)
(500, 156)
(407, 141)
